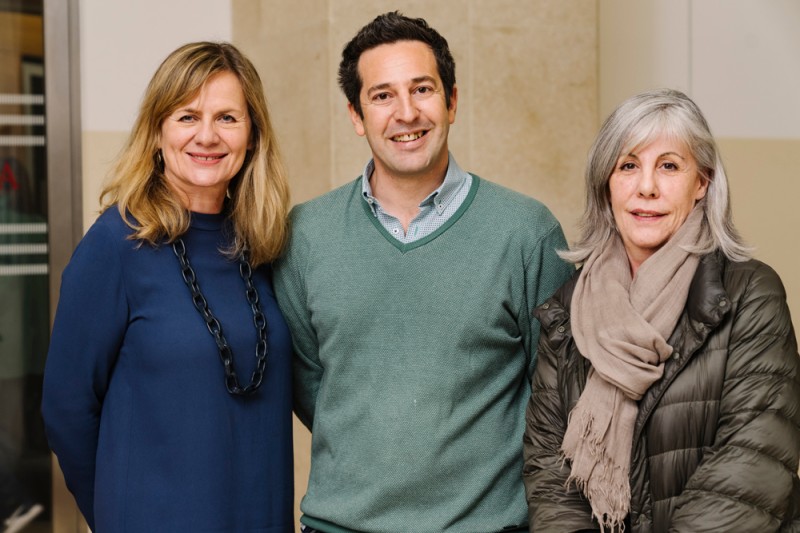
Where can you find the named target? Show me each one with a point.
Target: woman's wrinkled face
(653, 189)
(204, 143)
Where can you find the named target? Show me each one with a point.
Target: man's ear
(453, 104)
(355, 118)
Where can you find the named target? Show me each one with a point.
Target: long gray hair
(638, 121)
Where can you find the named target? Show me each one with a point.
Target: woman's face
(653, 190)
(204, 142)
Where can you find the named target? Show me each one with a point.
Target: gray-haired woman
(667, 392)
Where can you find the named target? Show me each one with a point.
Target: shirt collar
(454, 179)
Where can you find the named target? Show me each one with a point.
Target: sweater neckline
(207, 221)
(407, 247)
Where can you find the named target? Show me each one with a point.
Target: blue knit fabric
(135, 404)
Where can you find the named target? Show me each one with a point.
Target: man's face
(406, 119)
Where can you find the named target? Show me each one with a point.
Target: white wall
(738, 59)
(123, 42)
(745, 66)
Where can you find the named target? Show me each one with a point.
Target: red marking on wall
(7, 178)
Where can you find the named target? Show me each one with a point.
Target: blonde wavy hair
(258, 194)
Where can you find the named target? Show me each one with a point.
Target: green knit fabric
(412, 362)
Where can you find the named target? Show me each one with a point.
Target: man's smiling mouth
(408, 137)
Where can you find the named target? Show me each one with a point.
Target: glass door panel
(25, 462)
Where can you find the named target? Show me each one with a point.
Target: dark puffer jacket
(717, 439)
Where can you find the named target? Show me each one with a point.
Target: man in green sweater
(409, 294)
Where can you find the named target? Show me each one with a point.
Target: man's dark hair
(386, 29)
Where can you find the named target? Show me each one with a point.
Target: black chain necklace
(215, 328)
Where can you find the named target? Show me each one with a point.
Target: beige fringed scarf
(620, 324)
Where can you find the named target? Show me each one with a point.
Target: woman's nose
(647, 185)
(207, 133)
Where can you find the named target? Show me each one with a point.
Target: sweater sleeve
(745, 482)
(545, 272)
(290, 291)
(552, 506)
(90, 323)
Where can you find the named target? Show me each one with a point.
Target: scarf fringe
(603, 482)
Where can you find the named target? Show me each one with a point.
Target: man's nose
(406, 109)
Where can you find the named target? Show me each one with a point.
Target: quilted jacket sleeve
(748, 480)
(552, 507)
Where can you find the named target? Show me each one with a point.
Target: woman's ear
(702, 187)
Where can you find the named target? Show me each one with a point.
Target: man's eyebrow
(420, 79)
(387, 85)
(379, 87)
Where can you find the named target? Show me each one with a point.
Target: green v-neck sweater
(412, 361)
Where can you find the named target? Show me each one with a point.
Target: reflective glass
(25, 466)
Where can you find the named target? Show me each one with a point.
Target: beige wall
(764, 193)
(526, 73)
(527, 110)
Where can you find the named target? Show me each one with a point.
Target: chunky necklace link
(215, 328)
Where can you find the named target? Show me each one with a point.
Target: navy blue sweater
(135, 404)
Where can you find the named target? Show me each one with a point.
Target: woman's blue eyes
(227, 119)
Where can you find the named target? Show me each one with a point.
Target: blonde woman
(167, 394)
